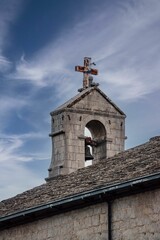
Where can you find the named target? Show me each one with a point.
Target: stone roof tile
(136, 162)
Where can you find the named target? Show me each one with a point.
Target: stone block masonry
(93, 110)
(137, 217)
(84, 224)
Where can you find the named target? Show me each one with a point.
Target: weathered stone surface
(133, 218)
(137, 217)
(92, 109)
(82, 224)
(136, 162)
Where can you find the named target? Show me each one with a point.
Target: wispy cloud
(8, 103)
(9, 10)
(10, 148)
(4, 64)
(15, 176)
(43, 69)
(126, 50)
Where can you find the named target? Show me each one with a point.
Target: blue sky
(40, 43)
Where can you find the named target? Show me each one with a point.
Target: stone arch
(98, 132)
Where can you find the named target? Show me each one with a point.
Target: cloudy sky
(40, 43)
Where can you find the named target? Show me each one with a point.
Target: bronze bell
(88, 155)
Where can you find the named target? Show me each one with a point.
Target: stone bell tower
(90, 109)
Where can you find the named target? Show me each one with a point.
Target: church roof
(81, 95)
(140, 161)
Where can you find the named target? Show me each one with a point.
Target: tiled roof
(136, 162)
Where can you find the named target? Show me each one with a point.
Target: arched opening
(97, 132)
(87, 133)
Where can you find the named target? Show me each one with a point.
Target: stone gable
(95, 100)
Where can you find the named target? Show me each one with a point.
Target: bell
(88, 155)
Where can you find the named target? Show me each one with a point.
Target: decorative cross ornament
(87, 71)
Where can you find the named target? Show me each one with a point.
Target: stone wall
(84, 224)
(137, 217)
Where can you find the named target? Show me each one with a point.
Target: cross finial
(87, 71)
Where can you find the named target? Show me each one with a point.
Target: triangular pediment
(92, 99)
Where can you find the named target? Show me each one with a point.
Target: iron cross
(87, 70)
